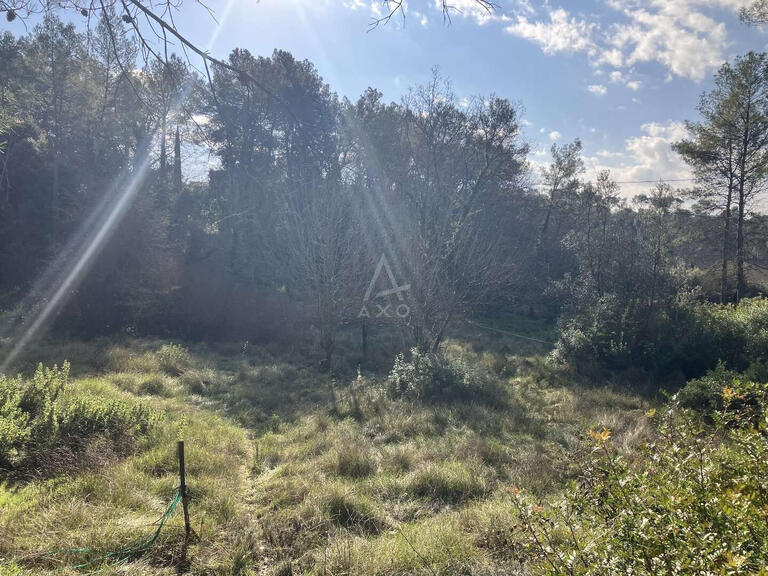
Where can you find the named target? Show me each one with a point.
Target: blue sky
(622, 75)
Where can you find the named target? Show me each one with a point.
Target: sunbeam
(52, 289)
(109, 214)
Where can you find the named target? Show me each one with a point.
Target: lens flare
(52, 289)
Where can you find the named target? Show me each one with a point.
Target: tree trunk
(741, 283)
(746, 134)
(163, 154)
(726, 236)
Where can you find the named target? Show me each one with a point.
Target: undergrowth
(291, 471)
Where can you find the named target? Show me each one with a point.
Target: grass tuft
(450, 482)
(354, 461)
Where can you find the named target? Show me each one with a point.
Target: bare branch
(394, 7)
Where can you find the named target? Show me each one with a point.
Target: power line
(657, 180)
(507, 332)
(643, 181)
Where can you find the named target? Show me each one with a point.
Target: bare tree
(319, 236)
(462, 166)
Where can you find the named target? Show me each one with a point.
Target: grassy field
(292, 471)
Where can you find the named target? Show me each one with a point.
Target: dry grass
(291, 473)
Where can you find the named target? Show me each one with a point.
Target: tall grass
(290, 471)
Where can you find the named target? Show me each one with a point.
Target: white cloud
(603, 153)
(562, 33)
(674, 33)
(684, 36)
(611, 56)
(597, 89)
(376, 10)
(420, 18)
(554, 135)
(648, 156)
(618, 77)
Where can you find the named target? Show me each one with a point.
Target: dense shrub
(174, 359)
(94, 414)
(693, 503)
(14, 432)
(28, 413)
(686, 337)
(752, 315)
(437, 377)
(705, 394)
(710, 333)
(35, 416)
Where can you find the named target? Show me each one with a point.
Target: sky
(621, 75)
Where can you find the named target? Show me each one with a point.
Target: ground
(293, 471)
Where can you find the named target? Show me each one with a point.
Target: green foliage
(689, 337)
(14, 433)
(693, 502)
(705, 394)
(84, 416)
(439, 377)
(36, 415)
(736, 335)
(174, 359)
(29, 413)
(752, 316)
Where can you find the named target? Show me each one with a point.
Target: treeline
(308, 191)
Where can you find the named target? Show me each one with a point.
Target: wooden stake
(183, 489)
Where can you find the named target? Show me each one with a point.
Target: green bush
(706, 393)
(436, 377)
(686, 337)
(14, 430)
(693, 503)
(752, 315)
(35, 416)
(154, 385)
(92, 415)
(174, 359)
(28, 413)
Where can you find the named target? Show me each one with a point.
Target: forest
(392, 342)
